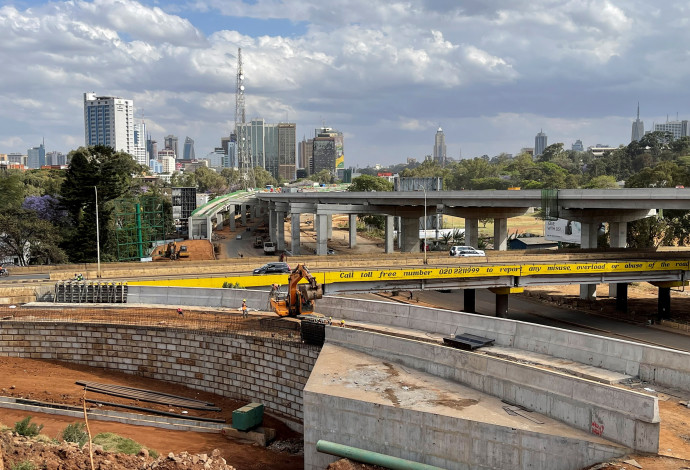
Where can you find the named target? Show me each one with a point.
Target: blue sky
(386, 74)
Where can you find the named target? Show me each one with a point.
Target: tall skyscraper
(171, 143)
(188, 151)
(36, 157)
(287, 147)
(577, 146)
(327, 151)
(109, 121)
(152, 148)
(271, 146)
(540, 143)
(140, 151)
(440, 147)
(305, 151)
(637, 127)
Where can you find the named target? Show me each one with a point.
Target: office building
(577, 146)
(188, 150)
(272, 147)
(109, 121)
(167, 158)
(18, 158)
(140, 150)
(677, 128)
(152, 148)
(305, 151)
(170, 142)
(328, 151)
(56, 159)
(637, 127)
(540, 143)
(216, 158)
(439, 154)
(36, 157)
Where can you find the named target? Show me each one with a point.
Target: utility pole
(98, 237)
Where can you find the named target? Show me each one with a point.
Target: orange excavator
(299, 299)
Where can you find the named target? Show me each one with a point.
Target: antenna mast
(242, 145)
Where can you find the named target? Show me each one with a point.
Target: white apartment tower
(109, 121)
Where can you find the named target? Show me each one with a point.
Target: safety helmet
(244, 300)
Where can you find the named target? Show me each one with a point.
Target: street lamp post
(98, 237)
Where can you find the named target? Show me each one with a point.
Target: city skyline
(385, 76)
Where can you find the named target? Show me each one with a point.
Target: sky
(388, 74)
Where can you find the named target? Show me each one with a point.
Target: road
(532, 311)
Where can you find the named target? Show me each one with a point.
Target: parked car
(460, 250)
(238, 237)
(273, 268)
(330, 251)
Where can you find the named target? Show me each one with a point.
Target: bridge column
(329, 225)
(294, 232)
(231, 218)
(500, 234)
(219, 221)
(280, 230)
(243, 210)
(390, 229)
(320, 224)
(409, 243)
(472, 232)
(621, 296)
(618, 232)
(469, 300)
(588, 240)
(353, 229)
(272, 225)
(664, 304)
(502, 305)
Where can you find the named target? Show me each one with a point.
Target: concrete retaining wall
(627, 417)
(657, 365)
(446, 442)
(242, 367)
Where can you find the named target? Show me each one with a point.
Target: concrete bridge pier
(409, 242)
(500, 234)
(329, 226)
(469, 300)
(272, 235)
(243, 212)
(231, 217)
(618, 232)
(472, 232)
(280, 230)
(502, 295)
(390, 229)
(664, 303)
(219, 221)
(588, 240)
(621, 296)
(321, 226)
(295, 232)
(352, 223)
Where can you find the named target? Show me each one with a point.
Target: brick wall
(243, 367)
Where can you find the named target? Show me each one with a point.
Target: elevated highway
(501, 278)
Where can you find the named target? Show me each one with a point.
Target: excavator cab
(299, 299)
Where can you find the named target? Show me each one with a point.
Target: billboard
(562, 230)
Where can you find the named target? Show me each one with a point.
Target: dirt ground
(197, 249)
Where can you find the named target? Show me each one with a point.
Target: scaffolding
(85, 292)
(138, 224)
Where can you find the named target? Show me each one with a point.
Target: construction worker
(245, 313)
(342, 323)
(179, 311)
(330, 320)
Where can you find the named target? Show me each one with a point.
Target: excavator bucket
(279, 307)
(310, 292)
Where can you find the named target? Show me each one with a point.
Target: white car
(459, 250)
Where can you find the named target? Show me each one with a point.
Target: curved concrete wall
(242, 367)
(653, 364)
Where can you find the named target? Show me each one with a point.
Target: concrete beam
(592, 216)
(485, 212)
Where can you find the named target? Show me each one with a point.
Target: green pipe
(372, 458)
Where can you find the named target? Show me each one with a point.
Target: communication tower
(242, 146)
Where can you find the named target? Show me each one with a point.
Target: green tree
(28, 238)
(263, 178)
(602, 182)
(12, 190)
(370, 183)
(109, 171)
(661, 175)
(208, 181)
(323, 177)
(552, 152)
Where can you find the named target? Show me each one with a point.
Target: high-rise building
(328, 151)
(637, 127)
(272, 146)
(56, 159)
(171, 143)
(305, 151)
(577, 146)
(36, 157)
(188, 150)
(677, 128)
(109, 121)
(140, 151)
(287, 140)
(440, 147)
(540, 143)
(152, 148)
(167, 158)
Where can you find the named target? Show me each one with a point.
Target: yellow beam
(507, 290)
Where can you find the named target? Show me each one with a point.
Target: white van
(460, 250)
